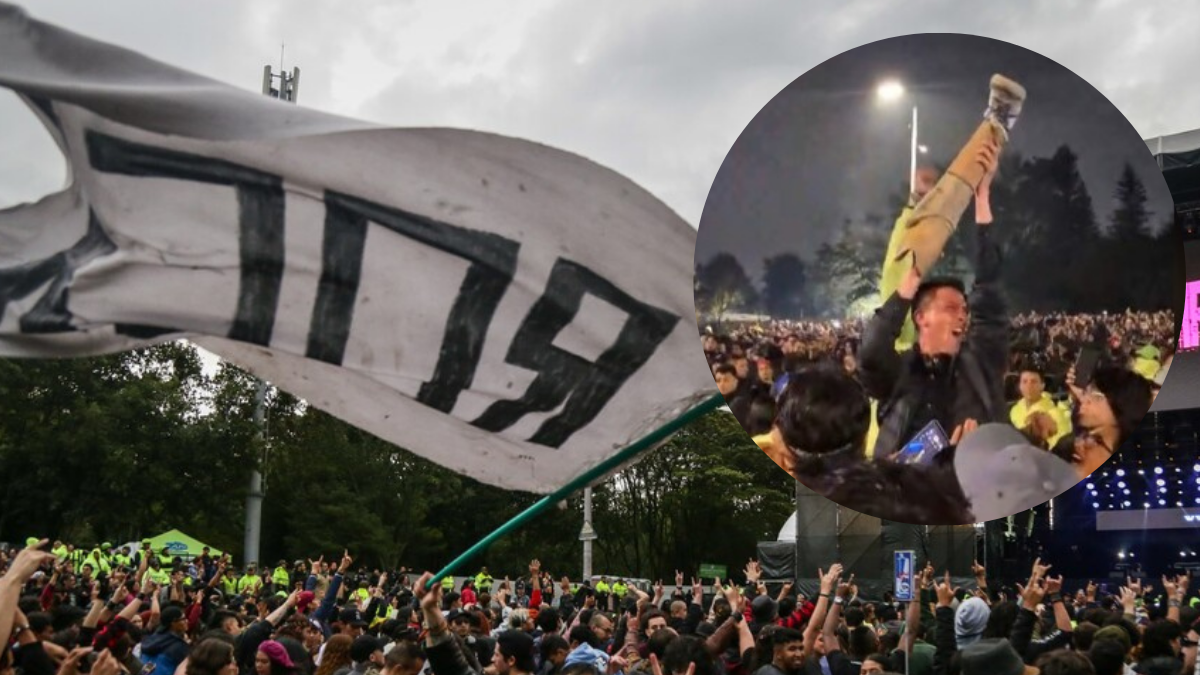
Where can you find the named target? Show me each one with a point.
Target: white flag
(508, 310)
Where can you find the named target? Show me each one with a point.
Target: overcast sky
(658, 91)
(828, 148)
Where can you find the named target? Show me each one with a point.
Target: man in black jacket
(955, 372)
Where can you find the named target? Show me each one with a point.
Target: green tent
(180, 544)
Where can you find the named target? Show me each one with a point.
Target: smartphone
(925, 446)
(1103, 589)
(1085, 365)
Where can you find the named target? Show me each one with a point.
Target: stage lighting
(1121, 472)
(1141, 472)
(1126, 491)
(1121, 555)
(1121, 484)
(1095, 505)
(1091, 486)
(1178, 503)
(1127, 504)
(1196, 468)
(1161, 482)
(1162, 490)
(1162, 502)
(1095, 494)
(1158, 470)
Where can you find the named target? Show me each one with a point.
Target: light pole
(891, 91)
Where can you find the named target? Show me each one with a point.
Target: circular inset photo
(936, 279)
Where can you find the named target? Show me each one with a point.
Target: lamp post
(891, 91)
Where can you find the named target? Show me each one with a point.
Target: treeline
(126, 446)
(1059, 255)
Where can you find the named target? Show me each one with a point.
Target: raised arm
(816, 623)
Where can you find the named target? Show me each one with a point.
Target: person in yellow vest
(619, 589)
(229, 582)
(1036, 412)
(447, 584)
(250, 583)
(165, 558)
(59, 550)
(76, 556)
(157, 574)
(120, 558)
(361, 594)
(484, 581)
(281, 577)
(98, 561)
(1145, 362)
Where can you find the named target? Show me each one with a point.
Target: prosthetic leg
(935, 218)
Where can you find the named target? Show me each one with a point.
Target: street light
(891, 91)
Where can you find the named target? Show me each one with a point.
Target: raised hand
(678, 579)
(535, 567)
(753, 571)
(978, 570)
(828, 579)
(787, 588)
(1054, 585)
(1031, 596)
(697, 587)
(1128, 599)
(346, 562)
(1134, 585)
(1039, 570)
(946, 591)
(843, 588)
(29, 560)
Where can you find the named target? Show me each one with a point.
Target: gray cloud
(657, 91)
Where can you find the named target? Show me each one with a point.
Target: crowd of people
(57, 618)
(802, 394)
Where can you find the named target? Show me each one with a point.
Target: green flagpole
(629, 452)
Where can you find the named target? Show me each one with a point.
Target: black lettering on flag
(561, 376)
(260, 219)
(493, 261)
(50, 314)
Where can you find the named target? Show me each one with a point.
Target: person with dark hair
(1161, 647)
(1064, 662)
(211, 656)
(167, 648)
(875, 664)
(819, 437)
(554, 650)
(1110, 408)
(787, 653)
(1107, 657)
(514, 654)
(405, 658)
(955, 371)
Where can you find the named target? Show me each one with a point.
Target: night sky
(826, 148)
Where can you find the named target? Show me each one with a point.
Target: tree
(1131, 218)
(725, 279)
(785, 282)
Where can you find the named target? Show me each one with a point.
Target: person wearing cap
(367, 654)
(281, 577)
(250, 583)
(272, 658)
(484, 581)
(167, 648)
(994, 656)
(351, 622)
(955, 370)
